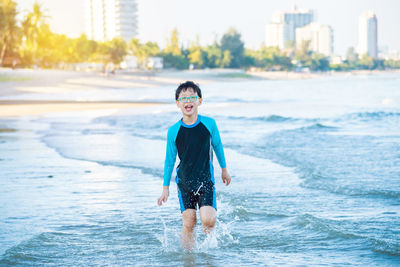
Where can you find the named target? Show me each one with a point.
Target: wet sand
(29, 108)
(60, 83)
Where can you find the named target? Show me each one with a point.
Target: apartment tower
(282, 30)
(368, 35)
(106, 19)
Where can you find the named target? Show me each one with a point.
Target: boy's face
(188, 101)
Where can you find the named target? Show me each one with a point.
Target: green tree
(151, 49)
(8, 26)
(268, 58)
(172, 55)
(197, 56)
(231, 41)
(214, 55)
(32, 26)
(303, 53)
(63, 50)
(136, 49)
(319, 62)
(366, 62)
(45, 55)
(392, 64)
(351, 55)
(173, 44)
(177, 62)
(84, 48)
(142, 52)
(116, 50)
(226, 59)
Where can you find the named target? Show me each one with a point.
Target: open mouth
(188, 107)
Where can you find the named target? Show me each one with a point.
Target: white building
(282, 30)
(320, 37)
(276, 33)
(106, 19)
(368, 34)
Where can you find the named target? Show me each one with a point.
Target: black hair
(185, 86)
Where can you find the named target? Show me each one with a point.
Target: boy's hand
(164, 196)
(226, 178)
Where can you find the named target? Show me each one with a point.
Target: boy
(193, 138)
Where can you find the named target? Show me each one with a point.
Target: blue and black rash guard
(193, 144)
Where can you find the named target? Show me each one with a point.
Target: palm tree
(8, 26)
(32, 26)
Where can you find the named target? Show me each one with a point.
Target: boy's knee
(208, 221)
(189, 225)
(189, 220)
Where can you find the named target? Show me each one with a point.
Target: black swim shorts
(202, 197)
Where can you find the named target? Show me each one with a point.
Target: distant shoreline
(30, 108)
(60, 82)
(292, 75)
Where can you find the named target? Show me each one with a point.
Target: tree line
(31, 43)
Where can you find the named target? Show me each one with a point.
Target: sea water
(315, 168)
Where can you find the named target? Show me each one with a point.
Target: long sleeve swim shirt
(194, 145)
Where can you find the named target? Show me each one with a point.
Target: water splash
(164, 240)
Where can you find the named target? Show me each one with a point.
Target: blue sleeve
(216, 140)
(170, 156)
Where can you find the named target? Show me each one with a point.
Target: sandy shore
(15, 108)
(59, 84)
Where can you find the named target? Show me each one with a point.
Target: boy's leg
(208, 216)
(208, 209)
(188, 224)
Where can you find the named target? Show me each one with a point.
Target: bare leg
(188, 224)
(208, 216)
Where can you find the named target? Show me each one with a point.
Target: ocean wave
(331, 228)
(320, 126)
(313, 127)
(35, 250)
(98, 131)
(327, 184)
(334, 229)
(270, 118)
(367, 116)
(235, 100)
(359, 166)
(388, 247)
(156, 172)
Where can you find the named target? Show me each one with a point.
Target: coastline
(33, 108)
(59, 83)
(291, 75)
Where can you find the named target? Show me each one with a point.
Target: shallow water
(315, 168)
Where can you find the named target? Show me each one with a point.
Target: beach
(55, 83)
(60, 83)
(314, 160)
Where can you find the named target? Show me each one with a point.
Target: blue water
(315, 168)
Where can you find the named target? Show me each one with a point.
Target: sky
(210, 19)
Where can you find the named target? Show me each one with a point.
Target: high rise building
(276, 33)
(106, 19)
(320, 37)
(282, 30)
(368, 34)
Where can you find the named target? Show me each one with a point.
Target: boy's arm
(219, 151)
(217, 145)
(169, 164)
(170, 157)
